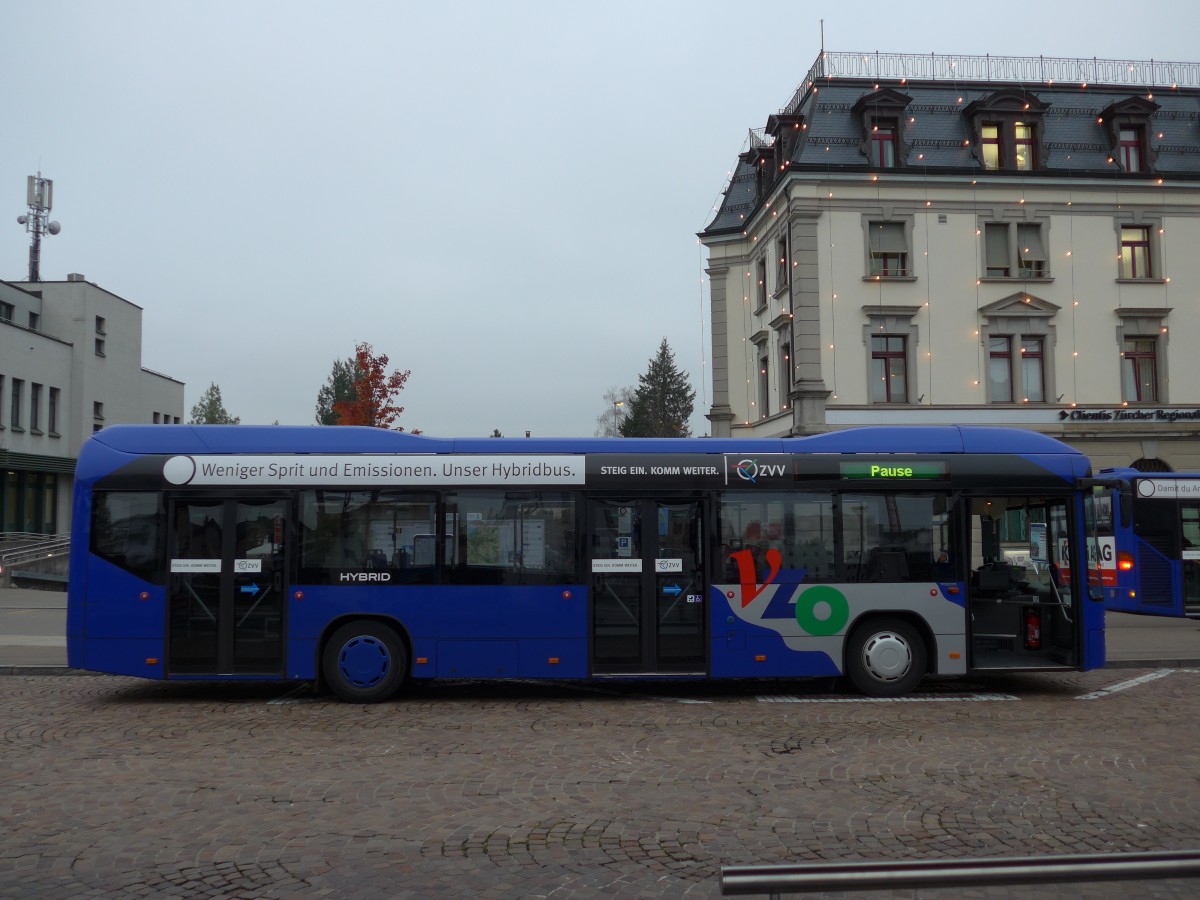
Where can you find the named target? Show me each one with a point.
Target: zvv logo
(751, 470)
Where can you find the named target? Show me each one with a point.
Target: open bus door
(1024, 589)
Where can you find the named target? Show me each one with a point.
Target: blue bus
(362, 559)
(1149, 535)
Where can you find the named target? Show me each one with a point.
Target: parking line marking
(292, 696)
(1132, 682)
(959, 698)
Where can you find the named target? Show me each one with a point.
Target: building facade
(975, 240)
(70, 363)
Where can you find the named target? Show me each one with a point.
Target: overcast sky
(502, 197)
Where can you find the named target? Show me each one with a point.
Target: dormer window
(784, 129)
(882, 115)
(1126, 125)
(1007, 129)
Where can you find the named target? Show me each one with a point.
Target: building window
(785, 373)
(157, 419)
(1000, 369)
(1001, 385)
(1, 401)
(1139, 369)
(18, 388)
(889, 369)
(888, 249)
(1016, 332)
(1142, 339)
(52, 412)
(782, 273)
(1014, 248)
(991, 149)
(100, 346)
(1023, 148)
(97, 410)
(761, 288)
(997, 255)
(1001, 142)
(1033, 381)
(1130, 149)
(100, 325)
(34, 321)
(35, 407)
(1135, 251)
(6, 311)
(764, 384)
(883, 143)
(1031, 253)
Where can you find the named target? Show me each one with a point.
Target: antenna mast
(39, 196)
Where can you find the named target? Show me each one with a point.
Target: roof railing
(1026, 70)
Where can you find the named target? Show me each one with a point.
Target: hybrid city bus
(361, 558)
(1149, 533)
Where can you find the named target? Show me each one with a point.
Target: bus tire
(885, 657)
(364, 662)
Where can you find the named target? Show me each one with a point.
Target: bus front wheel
(885, 657)
(364, 662)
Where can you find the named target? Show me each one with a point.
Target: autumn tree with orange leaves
(373, 401)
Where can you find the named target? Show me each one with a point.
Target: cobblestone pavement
(113, 787)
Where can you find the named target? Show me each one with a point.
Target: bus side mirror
(1095, 593)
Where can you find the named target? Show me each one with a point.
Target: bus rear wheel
(364, 662)
(885, 657)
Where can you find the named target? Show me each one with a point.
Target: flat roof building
(70, 363)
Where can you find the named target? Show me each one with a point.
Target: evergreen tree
(211, 411)
(662, 404)
(338, 389)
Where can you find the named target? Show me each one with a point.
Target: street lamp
(617, 404)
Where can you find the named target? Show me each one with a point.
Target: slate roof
(937, 143)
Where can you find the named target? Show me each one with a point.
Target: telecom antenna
(39, 195)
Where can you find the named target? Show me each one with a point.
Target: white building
(985, 240)
(70, 363)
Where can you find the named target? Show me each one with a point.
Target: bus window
(372, 531)
(510, 538)
(126, 531)
(892, 537)
(797, 525)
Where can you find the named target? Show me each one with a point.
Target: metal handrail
(951, 873)
(54, 546)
